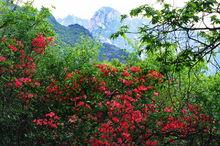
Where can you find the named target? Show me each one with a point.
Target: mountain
(73, 33)
(105, 22)
(109, 52)
(69, 34)
(70, 19)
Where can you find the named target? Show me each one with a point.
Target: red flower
(50, 120)
(114, 119)
(126, 82)
(136, 116)
(3, 39)
(124, 125)
(52, 125)
(51, 114)
(106, 128)
(156, 94)
(107, 93)
(184, 111)
(20, 44)
(116, 104)
(25, 80)
(18, 83)
(125, 74)
(141, 88)
(39, 50)
(13, 48)
(69, 75)
(171, 140)
(81, 103)
(40, 41)
(103, 88)
(126, 135)
(30, 95)
(119, 140)
(173, 125)
(155, 74)
(135, 69)
(2, 59)
(168, 110)
(151, 143)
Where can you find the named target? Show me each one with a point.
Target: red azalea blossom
(39, 50)
(126, 135)
(69, 75)
(142, 88)
(173, 125)
(155, 74)
(156, 94)
(40, 41)
(106, 69)
(171, 140)
(81, 103)
(126, 74)
(3, 39)
(18, 83)
(25, 80)
(20, 44)
(30, 95)
(151, 143)
(107, 93)
(137, 116)
(51, 120)
(168, 110)
(116, 120)
(2, 59)
(126, 82)
(51, 114)
(13, 48)
(135, 69)
(184, 111)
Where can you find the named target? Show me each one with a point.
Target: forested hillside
(59, 85)
(75, 33)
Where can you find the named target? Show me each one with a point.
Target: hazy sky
(86, 8)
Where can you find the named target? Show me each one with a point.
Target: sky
(86, 8)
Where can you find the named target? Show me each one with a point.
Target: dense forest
(59, 85)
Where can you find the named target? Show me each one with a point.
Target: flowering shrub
(104, 106)
(49, 120)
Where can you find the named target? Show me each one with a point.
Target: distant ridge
(72, 34)
(105, 22)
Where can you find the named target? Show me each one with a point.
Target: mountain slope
(109, 52)
(104, 23)
(70, 34)
(70, 19)
(73, 34)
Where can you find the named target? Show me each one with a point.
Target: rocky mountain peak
(106, 12)
(104, 17)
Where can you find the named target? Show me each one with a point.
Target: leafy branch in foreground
(194, 30)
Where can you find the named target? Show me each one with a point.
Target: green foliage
(179, 27)
(69, 75)
(59, 59)
(24, 22)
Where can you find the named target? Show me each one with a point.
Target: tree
(193, 31)
(24, 22)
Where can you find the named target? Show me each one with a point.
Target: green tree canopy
(193, 31)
